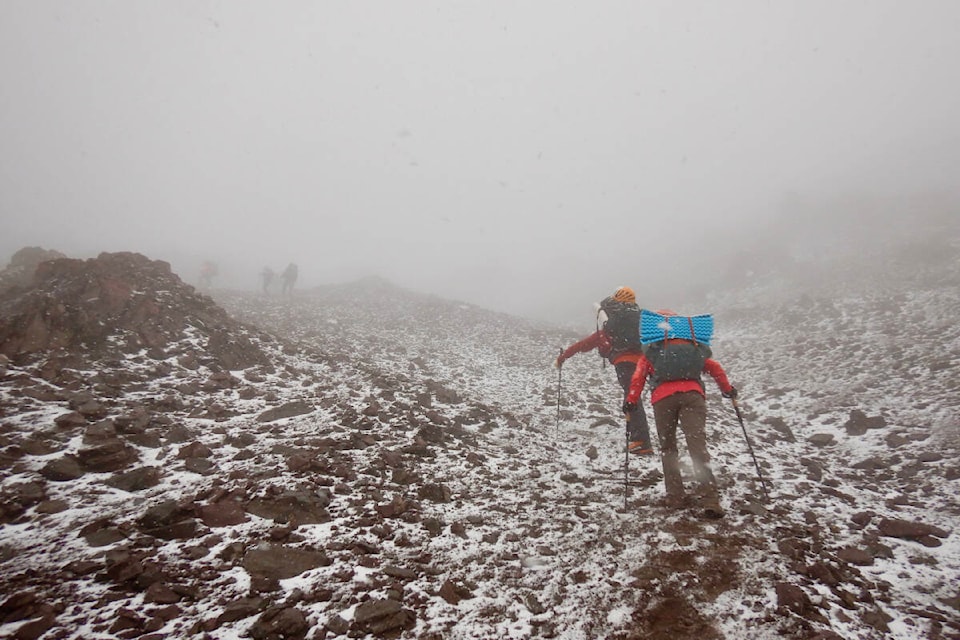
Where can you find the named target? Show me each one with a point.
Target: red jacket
(600, 341)
(645, 369)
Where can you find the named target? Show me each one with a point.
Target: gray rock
(821, 439)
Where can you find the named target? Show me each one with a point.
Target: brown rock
(895, 440)
(856, 556)
(824, 573)
(381, 617)
(92, 410)
(194, 450)
(826, 635)
(122, 565)
(223, 514)
(859, 423)
(235, 351)
(23, 266)
(400, 573)
(894, 528)
(101, 533)
(278, 562)
(115, 304)
(100, 432)
(393, 509)
(110, 456)
(372, 409)
(62, 469)
(337, 625)
(242, 608)
(34, 629)
(821, 439)
(288, 623)
(201, 466)
(453, 593)
(125, 619)
(793, 548)
(135, 479)
(160, 593)
(70, 420)
(878, 620)
(299, 507)
(792, 598)
(287, 410)
(168, 521)
(862, 519)
(53, 506)
(434, 492)
(20, 606)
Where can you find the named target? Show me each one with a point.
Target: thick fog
(527, 156)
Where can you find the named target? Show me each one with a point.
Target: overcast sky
(526, 156)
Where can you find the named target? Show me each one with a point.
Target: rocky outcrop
(23, 265)
(119, 304)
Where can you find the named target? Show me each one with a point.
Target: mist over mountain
(286, 283)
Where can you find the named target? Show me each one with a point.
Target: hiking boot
(639, 447)
(676, 501)
(712, 509)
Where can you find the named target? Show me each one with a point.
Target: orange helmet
(625, 294)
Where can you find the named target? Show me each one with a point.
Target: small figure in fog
(207, 271)
(289, 278)
(267, 276)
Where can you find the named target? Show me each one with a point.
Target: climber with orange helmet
(617, 338)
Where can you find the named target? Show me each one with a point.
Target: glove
(629, 407)
(557, 363)
(732, 394)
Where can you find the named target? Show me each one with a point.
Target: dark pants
(638, 430)
(688, 411)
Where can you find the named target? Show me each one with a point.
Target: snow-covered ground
(421, 485)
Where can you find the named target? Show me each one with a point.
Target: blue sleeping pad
(653, 325)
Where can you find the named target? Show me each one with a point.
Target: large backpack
(622, 326)
(676, 346)
(676, 360)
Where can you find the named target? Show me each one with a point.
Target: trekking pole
(763, 484)
(559, 383)
(626, 461)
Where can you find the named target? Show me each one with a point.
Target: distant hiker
(207, 271)
(267, 276)
(618, 340)
(673, 367)
(289, 278)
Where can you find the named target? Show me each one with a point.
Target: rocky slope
(392, 465)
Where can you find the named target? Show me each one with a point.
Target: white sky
(526, 156)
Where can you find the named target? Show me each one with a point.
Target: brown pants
(689, 411)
